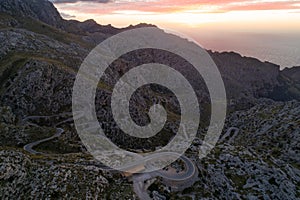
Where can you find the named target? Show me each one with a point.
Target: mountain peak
(42, 10)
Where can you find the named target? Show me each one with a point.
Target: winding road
(59, 131)
(28, 147)
(229, 136)
(140, 187)
(189, 171)
(140, 184)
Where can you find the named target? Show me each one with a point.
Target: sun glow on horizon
(254, 20)
(240, 15)
(251, 27)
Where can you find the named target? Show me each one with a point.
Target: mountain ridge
(46, 12)
(68, 42)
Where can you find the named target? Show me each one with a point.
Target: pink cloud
(169, 6)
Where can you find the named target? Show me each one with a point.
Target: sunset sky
(218, 25)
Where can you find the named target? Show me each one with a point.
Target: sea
(280, 49)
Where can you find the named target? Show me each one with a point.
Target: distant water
(281, 49)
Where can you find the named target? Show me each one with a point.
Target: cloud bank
(169, 6)
(75, 1)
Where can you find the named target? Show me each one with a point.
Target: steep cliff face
(289, 87)
(42, 10)
(246, 77)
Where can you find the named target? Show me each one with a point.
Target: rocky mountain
(34, 36)
(40, 54)
(40, 10)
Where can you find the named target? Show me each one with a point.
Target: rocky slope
(261, 161)
(54, 175)
(30, 177)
